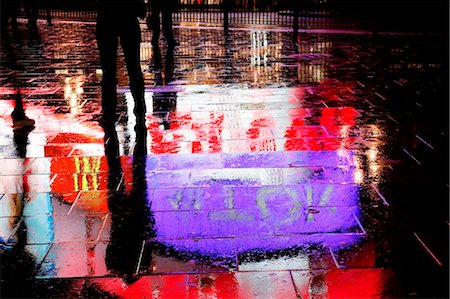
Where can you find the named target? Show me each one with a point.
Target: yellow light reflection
(86, 176)
(146, 51)
(372, 157)
(358, 176)
(374, 169)
(373, 153)
(344, 131)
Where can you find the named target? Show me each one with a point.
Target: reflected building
(261, 61)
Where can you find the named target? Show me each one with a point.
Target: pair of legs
(111, 29)
(154, 22)
(31, 9)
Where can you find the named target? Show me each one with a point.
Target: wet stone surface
(270, 169)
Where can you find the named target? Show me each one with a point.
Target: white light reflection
(131, 121)
(73, 93)
(373, 153)
(259, 48)
(358, 176)
(372, 157)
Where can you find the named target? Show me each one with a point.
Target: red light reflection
(81, 167)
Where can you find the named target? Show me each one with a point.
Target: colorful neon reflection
(312, 196)
(232, 207)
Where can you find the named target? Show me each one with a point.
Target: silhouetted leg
(157, 64)
(32, 14)
(48, 12)
(17, 264)
(168, 26)
(140, 148)
(4, 16)
(130, 40)
(20, 120)
(19, 111)
(107, 41)
(154, 24)
(225, 6)
(112, 153)
(169, 65)
(157, 59)
(14, 14)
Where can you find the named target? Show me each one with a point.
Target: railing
(316, 14)
(420, 15)
(71, 15)
(216, 12)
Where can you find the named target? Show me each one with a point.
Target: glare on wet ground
(273, 169)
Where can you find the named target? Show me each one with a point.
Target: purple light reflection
(227, 216)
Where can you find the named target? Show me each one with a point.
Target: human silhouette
(163, 69)
(164, 98)
(31, 9)
(19, 118)
(17, 263)
(8, 12)
(19, 198)
(131, 220)
(10, 62)
(162, 9)
(118, 20)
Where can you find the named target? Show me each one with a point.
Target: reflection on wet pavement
(266, 169)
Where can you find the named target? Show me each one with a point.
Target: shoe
(24, 123)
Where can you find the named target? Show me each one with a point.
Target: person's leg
(32, 15)
(130, 40)
(5, 9)
(107, 41)
(170, 67)
(19, 111)
(168, 26)
(14, 14)
(153, 22)
(48, 6)
(157, 65)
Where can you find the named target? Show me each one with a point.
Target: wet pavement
(267, 169)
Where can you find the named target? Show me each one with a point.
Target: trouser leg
(131, 44)
(19, 111)
(168, 26)
(154, 24)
